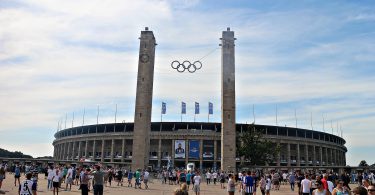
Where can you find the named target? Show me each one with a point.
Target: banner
(194, 149)
(163, 107)
(179, 146)
(196, 108)
(183, 108)
(210, 108)
(208, 150)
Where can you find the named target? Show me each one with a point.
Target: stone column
(298, 156)
(215, 153)
(68, 151)
(314, 155)
(288, 154)
(143, 100)
(79, 150)
(278, 155)
(321, 155)
(326, 153)
(86, 147)
(102, 157)
(93, 150)
(112, 149)
(73, 150)
(332, 157)
(159, 154)
(186, 151)
(228, 102)
(306, 155)
(201, 154)
(123, 150)
(173, 153)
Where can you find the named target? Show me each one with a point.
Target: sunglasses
(371, 190)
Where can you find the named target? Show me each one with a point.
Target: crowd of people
(96, 178)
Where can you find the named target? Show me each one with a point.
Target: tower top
(146, 28)
(228, 28)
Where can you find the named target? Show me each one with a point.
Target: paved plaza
(155, 187)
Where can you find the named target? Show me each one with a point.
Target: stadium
(201, 144)
(158, 144)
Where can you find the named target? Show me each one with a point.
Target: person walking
(306, 185)
(341, 189)
(292, 180)
(231, 185)
(27, 187)
(98, 181)
(85, 179)
(197, 183)
(56, 181)
(2, 176)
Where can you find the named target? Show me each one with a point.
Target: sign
(194, 149)
(179, 149)
(208, 150)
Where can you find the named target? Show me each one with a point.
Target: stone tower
(228, 102)
(143, 104)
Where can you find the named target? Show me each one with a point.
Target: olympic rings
(186, 65)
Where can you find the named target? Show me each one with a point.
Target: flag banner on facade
(208, 149)
(210, 108)
(183, 108)
(179, 146)
(196, 108)
(163, 108)
(194, 149)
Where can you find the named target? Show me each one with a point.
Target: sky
(312, 60)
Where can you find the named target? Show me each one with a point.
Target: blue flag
(210, 108)
(163, 107)
(196, 108)
(183, 108)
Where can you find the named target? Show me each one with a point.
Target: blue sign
(194, 149)
(210, 108)
(163, 107)
(196, 108)
(183, 108)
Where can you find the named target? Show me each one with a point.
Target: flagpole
(116, 114)
(83, 118)
(323, 123)
(276, 114)
(73, 120)
(331, 127)
(295, 115)
(66, 117)
(97, 117)
(253, 113)
(312, 128)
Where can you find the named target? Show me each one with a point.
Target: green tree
(254, 148)
(363, 163)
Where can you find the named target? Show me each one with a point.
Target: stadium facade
(144, 143)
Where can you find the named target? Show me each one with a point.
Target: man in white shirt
(49, 178)
(69, 179)
(208, 177)
(306, 185)
(145, 178)
(214, 175)
(197, 182)
(330, 186)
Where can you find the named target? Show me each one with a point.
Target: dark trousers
(84, 189)
(292, 186)
(98, 189)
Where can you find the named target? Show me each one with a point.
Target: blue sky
(313, 57)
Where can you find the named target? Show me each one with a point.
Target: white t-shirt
(197, 180)
(146, 174)
(56, 177)
(305, 185)
(26, 187)
(208, 175)
(50, 174)
(330, 186)
(268, 184)
(214, 175)
(70, 173)
(285, 175)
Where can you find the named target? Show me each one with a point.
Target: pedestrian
(248, 184)
(320, 189)
(98, 181)
(17, 175)
(292, 179)
(188, 179)
(197, 182)
(69, 179)
(28, 187)
(146, 176)
(231, 188)
(56, 180)
(268, 185)
(341, 189)
(130, 177)
(222, 180)
(262, 184)
(306, 185)
(2, 176)
(371, 189)
(85, 180)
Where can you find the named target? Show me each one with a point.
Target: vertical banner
(194, 149)
(179, 146)
(210, 108)
(183, 108)
(208, 150)
(196, 108)
(163, 108)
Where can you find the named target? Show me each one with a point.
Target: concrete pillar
(112, 149)
(79, 150)
(306, 155)
(186, 151)
(298, 156)
(321, 156)
(68, 151)
(93, 150)
(143, 105)
(159, 154)
(86, 147)
(173, 153)
(123, 150)
(228, 102)
(332, 157)
(278, 155)
(215, 154)
(201, 154)
(314, 155)
(326, 153)
(288, 154)
(102, 156)
(73, 150)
